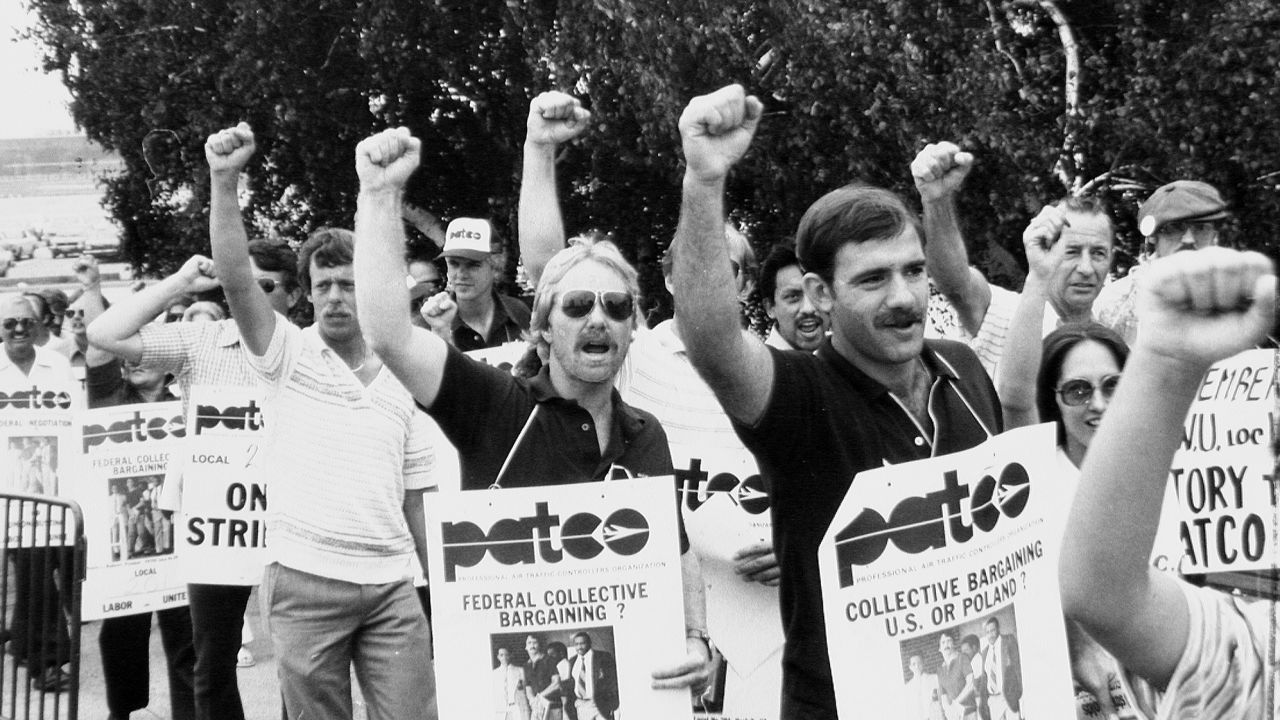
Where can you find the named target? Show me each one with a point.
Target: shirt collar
(228, 333)
(42, 359)
(624, 415)
(933, 362)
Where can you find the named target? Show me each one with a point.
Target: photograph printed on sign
(951, 674)
(566, 673)
(33, 463)
(138, 526)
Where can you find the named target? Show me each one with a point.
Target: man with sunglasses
(741, 584)
(37, 607)
(876, 392)
(566, 425)
(201, 354)
(1182, 215)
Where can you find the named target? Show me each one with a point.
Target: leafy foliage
(1167, 89)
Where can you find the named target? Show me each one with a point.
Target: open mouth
(595, 348)
(809, 325)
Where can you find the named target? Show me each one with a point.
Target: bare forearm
(948, 262)
(541, 226)
(381, 296)
(415, 516)
(230, 242)
(120, 323)
(1107, 582)
(1016, 375)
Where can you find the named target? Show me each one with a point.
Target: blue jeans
(321, 627)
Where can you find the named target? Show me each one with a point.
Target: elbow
(99, 337)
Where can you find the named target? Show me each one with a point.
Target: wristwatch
(702, 635)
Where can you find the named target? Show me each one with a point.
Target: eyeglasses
(267, 284)
(77, 313)
(1203, 232)
(1078, 392)
(24, 324)
(578, 303)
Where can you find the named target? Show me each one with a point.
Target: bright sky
(36, 103)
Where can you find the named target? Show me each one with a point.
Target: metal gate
(40, 584)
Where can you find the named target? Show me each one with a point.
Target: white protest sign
(1219, 511)
(223, 533)
(925, 554)
(552, 563)
(39, 440)
(131, 561)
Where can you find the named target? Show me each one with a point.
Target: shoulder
(516, 310)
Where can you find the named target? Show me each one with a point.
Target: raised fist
(555, 118)
(386, 160)
(228, 151)
(1045, 228)
(940, 169)
(198, 273)
(86, 270)
(1205, 306)
(716, 131)
(439, 311)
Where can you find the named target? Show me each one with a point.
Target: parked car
(19, 242)
(66, 243)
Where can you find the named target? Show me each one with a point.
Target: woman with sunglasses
(1068, 379)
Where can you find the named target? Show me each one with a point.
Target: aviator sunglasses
(24, 323)
(578, 303)
(1078, 392)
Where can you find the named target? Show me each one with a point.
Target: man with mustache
(797, 323)
(1183, 215)
(876, 391)
(985, 310)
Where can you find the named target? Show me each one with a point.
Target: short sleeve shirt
(483, 411)
(825, 422)
(1226, 670)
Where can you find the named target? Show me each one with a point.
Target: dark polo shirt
(825, 422)
(482, 410)
(510, 320)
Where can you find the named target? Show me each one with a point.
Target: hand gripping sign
(223, 533)
(522, 571)
(131, 563)
(952, 546)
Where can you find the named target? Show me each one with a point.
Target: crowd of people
(377, 404)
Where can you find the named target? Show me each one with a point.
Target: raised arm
(116, 330)
(90, 302)
(554, 118)
(716, 131)
(416, 356)
(1023, 346)
(228, 152)
(939, 170)
(1196, 308)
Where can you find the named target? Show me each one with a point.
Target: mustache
(900, 316)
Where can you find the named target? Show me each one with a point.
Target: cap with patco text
(1181, 200)
(470, 238)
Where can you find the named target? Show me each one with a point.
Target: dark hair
(273, 256)
(780, 258)
(851, 214)
(1054, 353)
(330, 247)
(971, 640)
(39, 305)
(1089, 205)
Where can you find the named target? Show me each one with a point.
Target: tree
(1052, 95)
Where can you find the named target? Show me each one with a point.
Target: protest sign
(223, 533)
(1219, 511)
(131, 564)
(505, 356)
(38, 436)
(924, 555)
(725, 509)
(526, 569)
